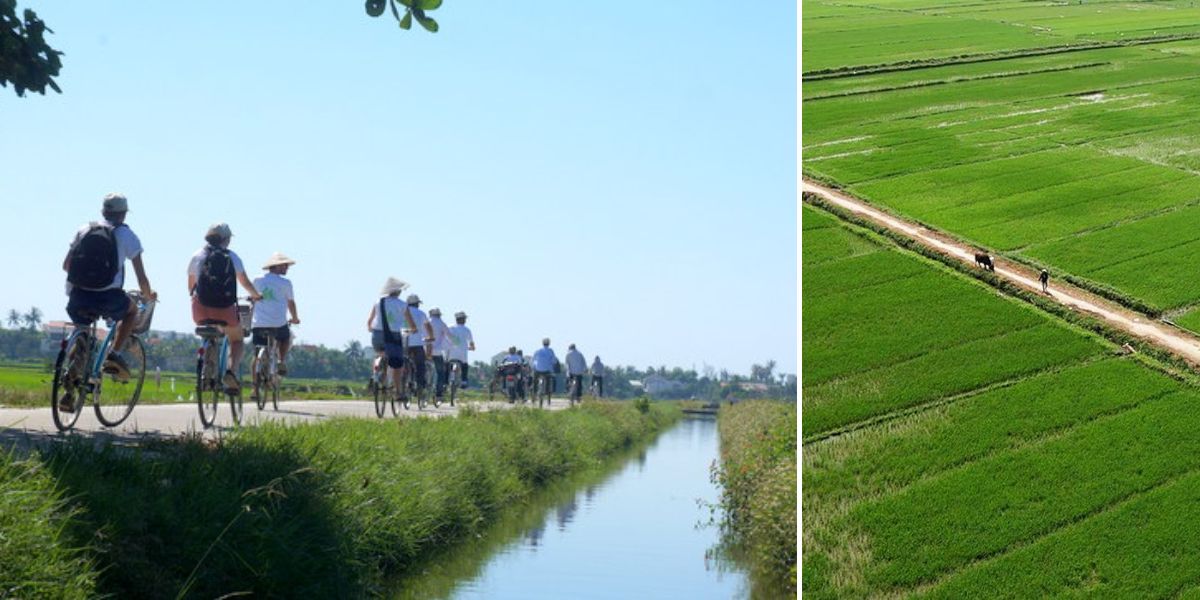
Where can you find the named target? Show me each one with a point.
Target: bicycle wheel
(208, 389)
(235, 406)
(115, 399)
(454, 375)
(275, 394)
(67, 387)
(262, 382)
(380, 395)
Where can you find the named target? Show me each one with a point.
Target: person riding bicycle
(213, 276)
(441, 345)
(576, 369)
(394, 307)
(390, 350)
(271, 313)
(420, 339)
(461, 341)
(95, 266)
(598, 376)
(543, 364)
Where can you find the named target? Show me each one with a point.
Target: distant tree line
(23, 341)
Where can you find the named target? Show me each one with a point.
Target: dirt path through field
(1172, 339)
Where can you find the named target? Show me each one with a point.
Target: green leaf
(376, 7)
(406, 22)
(428, 4)
(408, 3)
(428, 23)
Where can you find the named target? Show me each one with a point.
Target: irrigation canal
(635, 530)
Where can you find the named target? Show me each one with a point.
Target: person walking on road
(1044, 277)
(95, 282)
(598, 376)
(576, 369)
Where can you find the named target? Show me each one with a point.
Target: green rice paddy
(958, 444)
(1061, 133)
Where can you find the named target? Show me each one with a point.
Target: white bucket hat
(435, 312)
(220, 230)
(115, 203)
(413, 299)
(278, 259)
(393, 286)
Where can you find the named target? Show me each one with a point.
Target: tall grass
(37, 560)
(757, 474)
(323, 510)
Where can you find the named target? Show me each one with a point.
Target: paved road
(1177, 341)
(25, 425)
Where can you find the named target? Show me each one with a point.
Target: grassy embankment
(25, 385)
(757, 474)
(325, 510)
(1073, 474)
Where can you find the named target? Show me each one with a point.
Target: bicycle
(211, 365)
(79, 371)
(266, 372)
(575, 389)
(594, 388)
(381, 389)
(432, 374)
(541, 387)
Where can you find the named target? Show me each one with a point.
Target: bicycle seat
(209, 330)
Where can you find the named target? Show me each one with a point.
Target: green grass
(37, 558)
(757, 474)
(325, 510)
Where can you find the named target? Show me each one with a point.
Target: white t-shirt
(198, 261)
(272, 310)
(128, 247)
(460, 340)
(441, 336)
(417, 338)
(395, 315)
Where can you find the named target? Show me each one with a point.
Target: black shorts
(85, 306)
(260, 334)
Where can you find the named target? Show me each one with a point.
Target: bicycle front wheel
(208, 392)
(120, 395)
(67, 389)
(235, 406)
(275, 395)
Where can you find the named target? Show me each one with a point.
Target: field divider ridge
(1117, 323)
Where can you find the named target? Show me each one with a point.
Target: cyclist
(271, 314)
(598, 376)
(441, 345)
(95, 283)
(576, 369)
(461, 341)
(543, 365)
(213, 276)
(394, 307)
(418, 346)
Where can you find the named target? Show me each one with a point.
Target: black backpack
(94, 261)
(216, 287)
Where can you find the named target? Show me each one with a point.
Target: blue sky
(621, 176)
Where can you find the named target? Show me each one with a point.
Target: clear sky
(621, 176)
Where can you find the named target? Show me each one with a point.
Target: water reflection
(630, 532)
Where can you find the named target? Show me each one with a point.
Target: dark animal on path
(984, 260)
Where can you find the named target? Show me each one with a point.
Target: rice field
(1065, 134)
(1050, 466)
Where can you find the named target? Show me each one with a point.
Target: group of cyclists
(542, 370)
(402, 335)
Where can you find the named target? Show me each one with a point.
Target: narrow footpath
(1172, 339)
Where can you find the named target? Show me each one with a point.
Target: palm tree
(35, 317)
(14, 318)
(354, 350)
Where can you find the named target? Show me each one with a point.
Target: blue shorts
(85, 306)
